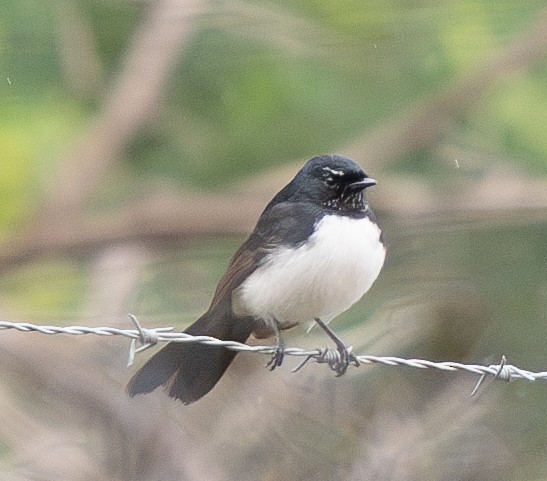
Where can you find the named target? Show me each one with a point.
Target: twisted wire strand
(148, 337)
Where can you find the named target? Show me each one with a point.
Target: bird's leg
(279, 354)
(346, 356)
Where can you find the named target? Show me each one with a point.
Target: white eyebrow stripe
(339, 173)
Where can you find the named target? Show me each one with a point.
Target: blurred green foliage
(113, 23)
(256, 86)
(53, 290)
(33, 137)
(519, 108)
(251, 91)
(265, 82)
(271, 82)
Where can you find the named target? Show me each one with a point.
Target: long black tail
(189, 371)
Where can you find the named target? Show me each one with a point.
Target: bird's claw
(277, 357)
(338, 359)
(340, 363)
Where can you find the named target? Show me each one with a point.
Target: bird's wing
(287, 223)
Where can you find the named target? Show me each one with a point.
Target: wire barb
(501, 373)
(332, 357)
(150, 337)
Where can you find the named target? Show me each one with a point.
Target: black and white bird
(316, 249)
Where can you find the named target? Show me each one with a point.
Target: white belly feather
(320, 279)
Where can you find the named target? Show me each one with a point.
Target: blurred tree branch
(81, 62)
(135, 97)
(130, 103)
(424, 124)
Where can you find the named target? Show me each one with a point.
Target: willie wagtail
(315, 250)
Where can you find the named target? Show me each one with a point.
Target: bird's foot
(340, 359)
(345, 357)
(278, 355)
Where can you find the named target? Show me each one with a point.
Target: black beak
(362, 184)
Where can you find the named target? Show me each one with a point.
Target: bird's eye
(329, 180)
(331, 177)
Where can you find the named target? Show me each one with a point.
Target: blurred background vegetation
(139, 141)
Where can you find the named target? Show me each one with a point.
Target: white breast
(322, 278)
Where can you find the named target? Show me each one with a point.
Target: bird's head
(334, 181)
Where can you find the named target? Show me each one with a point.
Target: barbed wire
(150, 336)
